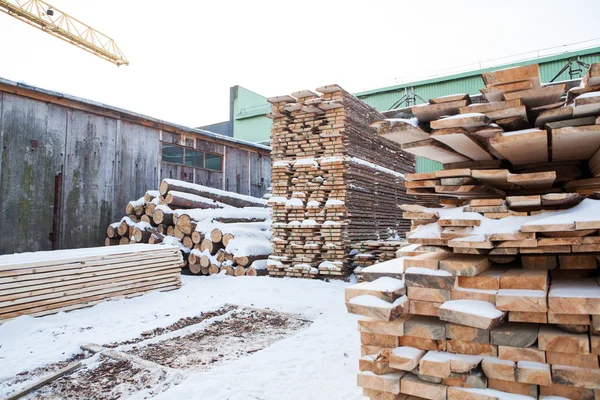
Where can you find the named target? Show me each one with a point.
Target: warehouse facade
(69, 166)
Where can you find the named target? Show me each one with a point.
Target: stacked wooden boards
(335, 182)
(529, 138)
(216, 230)
(47, 282)
(498, 294)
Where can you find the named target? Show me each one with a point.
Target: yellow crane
(51, 20)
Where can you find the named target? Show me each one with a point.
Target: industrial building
(69, 165)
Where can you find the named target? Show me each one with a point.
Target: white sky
(186, 54)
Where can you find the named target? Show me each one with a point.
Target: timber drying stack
(335, 182)
(47, 282)
(217, 230)
(497, 296)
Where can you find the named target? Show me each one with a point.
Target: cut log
(232, 199)
(246, 261)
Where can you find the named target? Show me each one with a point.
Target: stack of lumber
(215, 229)
(370, 252)
(48, 282)
(335, 182)
(497, 295)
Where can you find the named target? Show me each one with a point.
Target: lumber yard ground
(227, 338)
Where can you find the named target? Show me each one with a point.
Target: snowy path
(315, 363)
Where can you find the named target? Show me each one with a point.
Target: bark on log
(161, 217)
(112, 232)
(176, 199)
(233, 220)
(111, 242)
(141, 236)
(210, 246)
(215, 194)
(246, 261)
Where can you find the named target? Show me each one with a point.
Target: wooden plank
(477, 314)
(412, 385)
(450, 98)
(465, 265)
(385, 383)
(524, 279)
(581, 296)
(460, 142)
(533, 180)
(395, 327)
(529, 73)
(553, 339)
(537, 97)
(578, 377)
(575, 143)
(488, 280)
(44, 381)
(471, 348)
(533, 373)
(388, 289)
(400, 131)
(426, 327)
(497, 178)
(513, 387)
(495, 93)
(427, 260)
(514, 334)
(496, 368)
(405, 358)
(573, 360)
(430, 112)
(526, 147)
(434, 150)
(521, 300)
(470, 120)
(527, 316)
(373, 307)
(568, 392)
(474, 294)
(521, 353)
(375, 363)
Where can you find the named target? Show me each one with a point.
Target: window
(191, 158)
(172, 154)
(194, 158)
(213, 162)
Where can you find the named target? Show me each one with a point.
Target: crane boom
(51, 20)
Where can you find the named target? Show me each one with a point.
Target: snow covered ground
(317, 362)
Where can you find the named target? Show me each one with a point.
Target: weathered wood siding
(105, 162)
(27, 171)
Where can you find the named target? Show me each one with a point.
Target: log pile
(335, 182)
(497, 295)
(47, 282)
(215, 229)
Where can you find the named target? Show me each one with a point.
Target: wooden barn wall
(105, 162)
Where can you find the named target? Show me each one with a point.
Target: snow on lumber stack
(335, 182)
(217, 231)
(48, 282)
(502, 280)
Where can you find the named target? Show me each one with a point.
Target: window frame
(184, 148)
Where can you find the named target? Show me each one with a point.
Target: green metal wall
(249, 121)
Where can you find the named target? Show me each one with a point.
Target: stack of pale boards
(441, 325)
(547, 136)
(335, 181)
(370, 252)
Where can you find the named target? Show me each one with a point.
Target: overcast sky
(186, 54)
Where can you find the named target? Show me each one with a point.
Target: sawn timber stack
(335, 181)
(497, 295)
